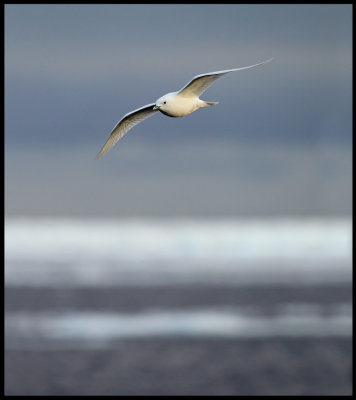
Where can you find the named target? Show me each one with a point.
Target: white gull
(175, 104)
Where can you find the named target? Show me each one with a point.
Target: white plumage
(175, 104)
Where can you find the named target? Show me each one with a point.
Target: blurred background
(209, 254)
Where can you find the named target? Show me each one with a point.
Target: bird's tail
(209, 103)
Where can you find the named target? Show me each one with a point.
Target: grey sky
(278, 143)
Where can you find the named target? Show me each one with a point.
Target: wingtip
(101, 152)
(107, 146)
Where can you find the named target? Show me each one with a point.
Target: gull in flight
(175, 104)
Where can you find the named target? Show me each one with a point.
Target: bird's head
(164, 103)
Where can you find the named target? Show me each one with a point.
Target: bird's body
(174, 104)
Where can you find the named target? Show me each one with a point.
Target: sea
(84, 287)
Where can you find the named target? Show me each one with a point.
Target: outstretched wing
(201, 82)
(127, 122)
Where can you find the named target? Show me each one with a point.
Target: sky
(279, 143)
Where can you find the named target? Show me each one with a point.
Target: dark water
(204, 366)
(132, 299)
(179, 364)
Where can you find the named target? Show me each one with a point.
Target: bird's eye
(164, 102)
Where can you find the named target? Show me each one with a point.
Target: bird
(174, 104)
